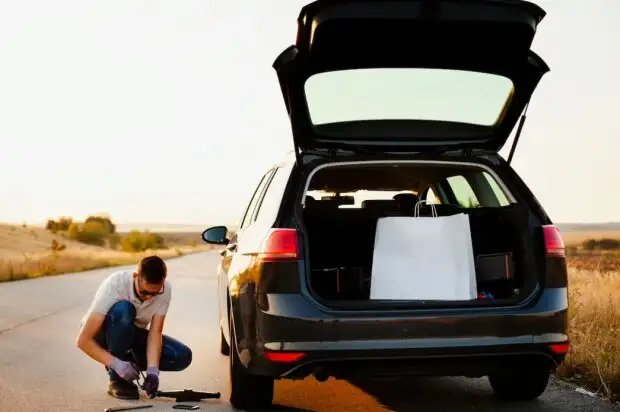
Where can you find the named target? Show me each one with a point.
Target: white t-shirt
(120, 286)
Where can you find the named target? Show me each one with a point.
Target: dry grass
(173, 239)
(577, 237)
(594, 358)
(25, 252)
(17, 242)
(600, 262)
(68, 261)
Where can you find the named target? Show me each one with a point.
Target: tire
(224, 347)
(525, 385)
(247, 391)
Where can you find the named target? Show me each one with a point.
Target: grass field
(594, 357)
(26, 252)
(575, 238)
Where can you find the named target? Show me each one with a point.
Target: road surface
(42, 370)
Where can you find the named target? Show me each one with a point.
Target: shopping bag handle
(416, 209)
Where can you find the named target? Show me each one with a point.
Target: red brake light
(560, 348)
(285, 357)
(554, 244)
(280, 244)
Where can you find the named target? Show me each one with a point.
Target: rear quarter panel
(243, 274)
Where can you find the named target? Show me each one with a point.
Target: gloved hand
(151, 382)
(124, 369)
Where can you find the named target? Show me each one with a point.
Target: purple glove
(124, 369)
(151, 382)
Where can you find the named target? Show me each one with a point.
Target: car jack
(187, 395)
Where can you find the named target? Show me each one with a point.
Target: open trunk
(343, 203)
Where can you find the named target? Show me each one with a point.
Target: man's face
(147, 290)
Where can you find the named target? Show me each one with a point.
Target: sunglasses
(148, 293)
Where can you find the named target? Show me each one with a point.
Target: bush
(602, 244)
(102, 221)
(56, 246)
(609, 244)
(62, 225)
(91, 233)
(114, 241)
(74, 231)
(136, 241)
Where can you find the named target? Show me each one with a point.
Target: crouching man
(127, 315)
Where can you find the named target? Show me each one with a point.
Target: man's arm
(87, 343)
(154, 341)
(86, 339)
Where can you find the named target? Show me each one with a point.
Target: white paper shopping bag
(423, 258)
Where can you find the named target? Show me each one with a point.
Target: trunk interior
(340, 239)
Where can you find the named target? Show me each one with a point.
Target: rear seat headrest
(406, 200)
(380, 205)
(314, 204)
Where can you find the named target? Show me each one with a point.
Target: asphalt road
(42, 370)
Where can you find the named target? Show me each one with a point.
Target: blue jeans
(119, 335)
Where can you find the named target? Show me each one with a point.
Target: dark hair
(152, 269)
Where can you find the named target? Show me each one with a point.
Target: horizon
(197, 227)
(143, 112)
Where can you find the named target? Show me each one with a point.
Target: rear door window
(463, 192)
(249, 212)
(267, 210)
(499, 193)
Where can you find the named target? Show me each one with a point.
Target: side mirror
(216, 235)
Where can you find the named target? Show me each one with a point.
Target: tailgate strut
(518, 134)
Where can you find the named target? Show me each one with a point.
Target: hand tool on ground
(127, 408)
(188, 395)
(136, 365)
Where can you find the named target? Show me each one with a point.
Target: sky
(169, 111)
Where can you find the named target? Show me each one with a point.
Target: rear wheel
(520, 385)
(224, 347)
(247, 391)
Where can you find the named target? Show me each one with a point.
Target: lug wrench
(127, 408)
(137, 366)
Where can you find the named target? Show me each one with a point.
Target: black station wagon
(392, 103)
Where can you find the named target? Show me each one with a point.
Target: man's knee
(185, 358)
(122, 314)
(175, 357)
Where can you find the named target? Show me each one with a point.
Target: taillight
(280, 244)
(554, 245)
(284, 357)
(560, 348)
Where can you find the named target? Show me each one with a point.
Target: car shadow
(439, 394)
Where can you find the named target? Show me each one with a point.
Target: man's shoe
(122, 389)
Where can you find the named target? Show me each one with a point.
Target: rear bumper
(448, 343)
(449, 360)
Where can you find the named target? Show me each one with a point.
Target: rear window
(407, 94)
(377, 185)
